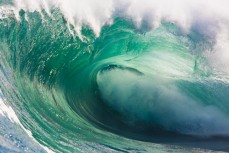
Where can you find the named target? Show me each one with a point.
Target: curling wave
(114, 82)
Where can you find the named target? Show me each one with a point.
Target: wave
(114, 76)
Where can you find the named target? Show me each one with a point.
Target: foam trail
(8, 112)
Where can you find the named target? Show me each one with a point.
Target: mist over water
(114, 76)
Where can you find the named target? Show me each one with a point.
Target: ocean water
(114, 76)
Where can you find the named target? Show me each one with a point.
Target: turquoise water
(128, 90)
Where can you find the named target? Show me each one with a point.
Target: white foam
(8, 112)
(219, 58)
(204, 13)
(208, 17)
(5, 11)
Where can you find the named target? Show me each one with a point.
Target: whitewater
(114, 76)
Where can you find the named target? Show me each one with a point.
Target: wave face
(114, 76)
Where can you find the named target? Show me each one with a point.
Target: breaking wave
(114, 76)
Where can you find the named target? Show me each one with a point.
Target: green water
(128, 90)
